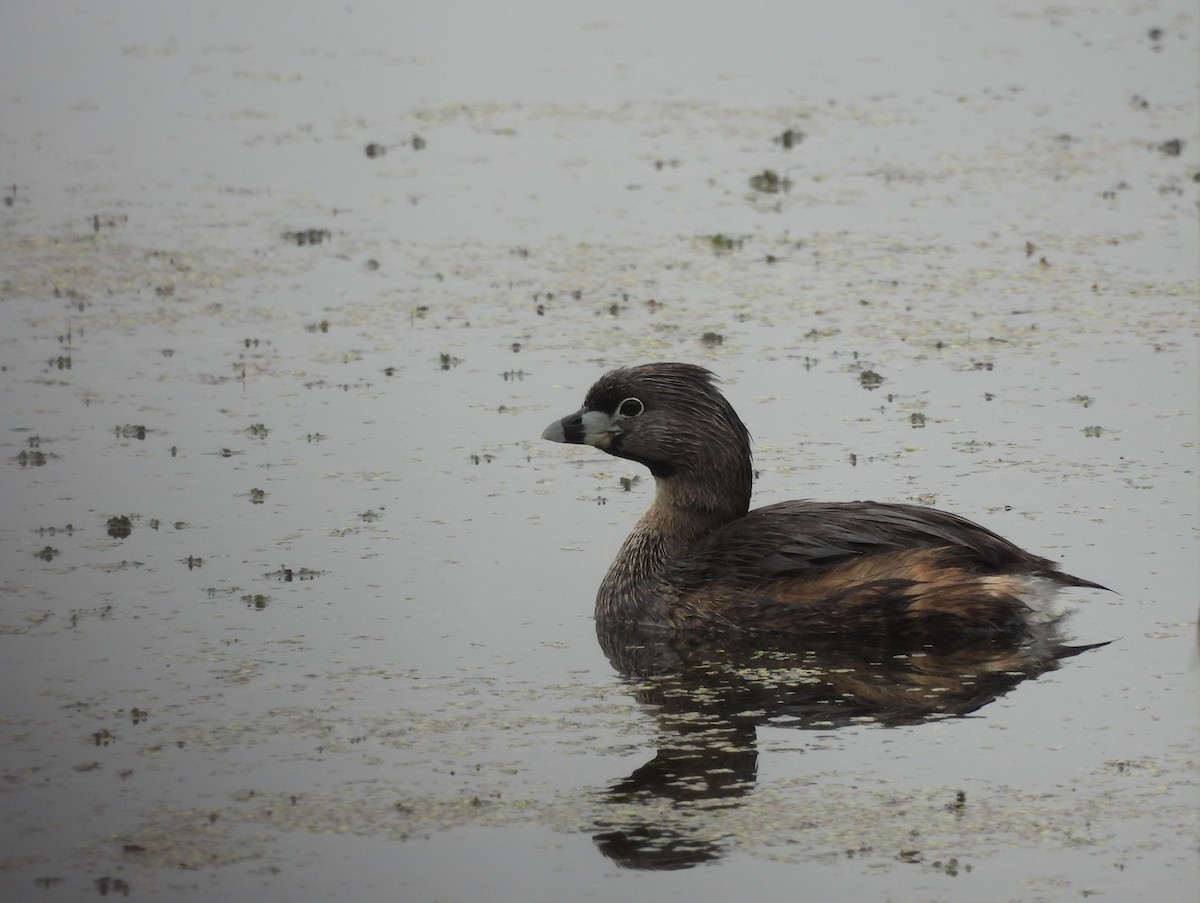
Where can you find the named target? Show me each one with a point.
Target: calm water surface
(294, 604)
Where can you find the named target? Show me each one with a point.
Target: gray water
(293, 602)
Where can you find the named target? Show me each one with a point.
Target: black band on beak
(569, 429)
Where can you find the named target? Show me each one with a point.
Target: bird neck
(683, 512)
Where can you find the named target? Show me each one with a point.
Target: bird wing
(792, 538)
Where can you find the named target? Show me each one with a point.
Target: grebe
(700, 559)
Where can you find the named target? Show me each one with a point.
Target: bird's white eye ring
(630, 407)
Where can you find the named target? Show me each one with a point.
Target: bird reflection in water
(709, 694)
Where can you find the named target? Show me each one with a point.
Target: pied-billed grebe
(699, 558)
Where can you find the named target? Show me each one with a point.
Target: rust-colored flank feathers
(699, 559)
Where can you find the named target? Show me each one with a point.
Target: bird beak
(582, 428)
(568, 429)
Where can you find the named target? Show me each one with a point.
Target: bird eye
(630, 407)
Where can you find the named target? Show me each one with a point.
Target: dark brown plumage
(699, 559)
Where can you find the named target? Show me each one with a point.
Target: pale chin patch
(598, 429)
